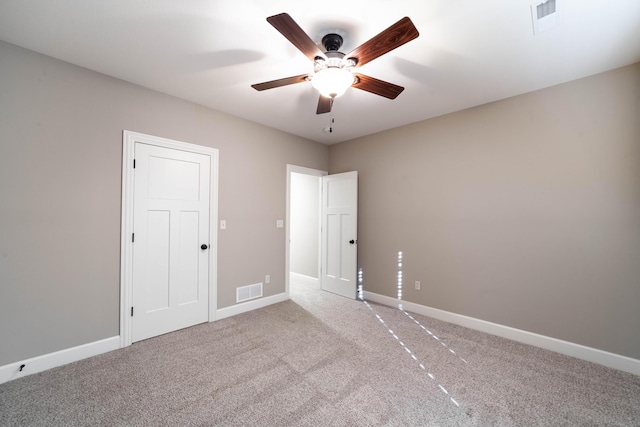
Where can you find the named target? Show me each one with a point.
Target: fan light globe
(332, 82)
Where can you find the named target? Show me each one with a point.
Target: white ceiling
(469, 52)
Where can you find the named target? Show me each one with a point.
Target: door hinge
(134, 163)
(133, 237)
(131, 311)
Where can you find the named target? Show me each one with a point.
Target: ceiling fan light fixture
(332, 82)
(333, 70)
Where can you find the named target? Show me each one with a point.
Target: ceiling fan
(333, 70)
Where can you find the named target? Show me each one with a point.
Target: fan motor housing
(332, 42)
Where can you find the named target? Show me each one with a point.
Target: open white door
(339, 233)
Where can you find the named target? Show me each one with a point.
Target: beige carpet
(323, 360)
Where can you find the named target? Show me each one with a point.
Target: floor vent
(248, 292)
(544, 16)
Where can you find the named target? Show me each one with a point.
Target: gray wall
(524, 212)
(60, 191)
(305, 224)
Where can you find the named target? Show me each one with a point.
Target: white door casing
(339, 233)
(169, 204)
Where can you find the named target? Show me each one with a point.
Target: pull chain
(331, 119)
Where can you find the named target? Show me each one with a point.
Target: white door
(339, 233)
(170, 240)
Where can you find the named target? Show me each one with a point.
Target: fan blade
(324, 105)
(395, 36)
(296, 35)
(378, 87)
(281, 82)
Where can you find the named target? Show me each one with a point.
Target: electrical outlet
(267, 279)
(417, 285)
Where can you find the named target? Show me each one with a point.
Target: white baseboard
(244, 307)
(44, 362)
(611, 360)
(302, 279)
(48, 361)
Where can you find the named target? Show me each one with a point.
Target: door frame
(129, 139)
(305, 171)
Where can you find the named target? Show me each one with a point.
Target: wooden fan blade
(281, 82)
(324, 105)
(395, 36)
(378, 87)
(296, 35)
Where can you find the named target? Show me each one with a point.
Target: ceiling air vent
(544, 16)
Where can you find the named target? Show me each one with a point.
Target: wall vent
(248, 292)
(544, 16)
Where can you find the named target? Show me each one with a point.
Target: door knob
(351, 242)
(204, 246)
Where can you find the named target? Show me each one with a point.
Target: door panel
(173, 179)
(333, 241)
(189, 247)
(347, 258)
(171, 222)
(158, 251)
(339, 228)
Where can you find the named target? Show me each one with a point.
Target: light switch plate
(279, 223)
(223, 224)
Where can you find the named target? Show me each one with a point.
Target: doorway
(303, 225)
(321, 232)
(169, 238)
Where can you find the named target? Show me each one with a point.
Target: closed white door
(339, 233)
(170, 240)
